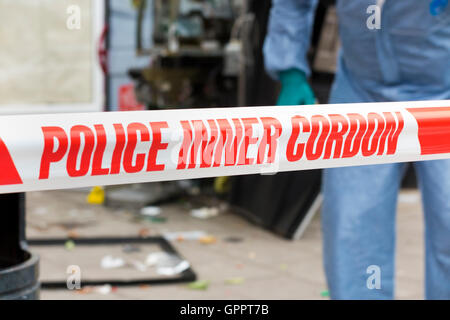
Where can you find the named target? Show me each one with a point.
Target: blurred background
(247, 237)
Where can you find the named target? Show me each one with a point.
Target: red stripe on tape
(8, 171)
(434, 129)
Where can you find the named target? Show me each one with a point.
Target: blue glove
(295, 89)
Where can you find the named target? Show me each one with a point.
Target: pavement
(256, 265)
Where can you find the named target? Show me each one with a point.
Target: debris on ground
(104, 289)
(283, 267)
(72, 234)
(199, 285)
(138, 265)
(184, 235)
(144, 232)
(324, 293)
(153, 258)
(166, 264)
(205, 212)
(85, 290)
(233, 239)
(69, 245)
(182, 266)
(207, 240)
(235, 281)
(151, 211)
(109, 262)
(129, 248)
(252, 255)
(156, 219)
(144, 286)
(96, 196)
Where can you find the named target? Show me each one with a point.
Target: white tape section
(42, 152)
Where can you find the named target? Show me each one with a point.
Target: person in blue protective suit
(407, 58)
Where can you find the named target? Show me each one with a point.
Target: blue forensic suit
(408, 58)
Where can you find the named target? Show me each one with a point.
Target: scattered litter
(205, 212)
(186, 235)
(199, 285)
(156, 219)
(283, 267)
(207, 240)
(129, 248)
(85, 290)
(144, 286)
(324, 293)
(72, 234)
(234, 239)
(183, 265)
(144, 233)
(69, 245)
(153, 258)
(235, 281)
(239, 266)
(151, 211)
(109, 262)
(138, 265)
(96, 196)
(252, 255)
(105, 289)
(166, 264)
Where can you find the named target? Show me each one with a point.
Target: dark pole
(12, 229)
(19, 269)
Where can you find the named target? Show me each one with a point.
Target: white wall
(45, 66)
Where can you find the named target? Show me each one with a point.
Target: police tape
(58, 151)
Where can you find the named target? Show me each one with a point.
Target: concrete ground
(262, 265)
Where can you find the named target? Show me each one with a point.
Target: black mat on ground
(186, 276)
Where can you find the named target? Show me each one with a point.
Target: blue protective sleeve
(289, 35)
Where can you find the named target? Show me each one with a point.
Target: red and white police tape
(57, 151)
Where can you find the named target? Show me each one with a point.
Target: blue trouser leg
(358, 225)
(434, 181)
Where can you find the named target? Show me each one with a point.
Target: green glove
(295, 89)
